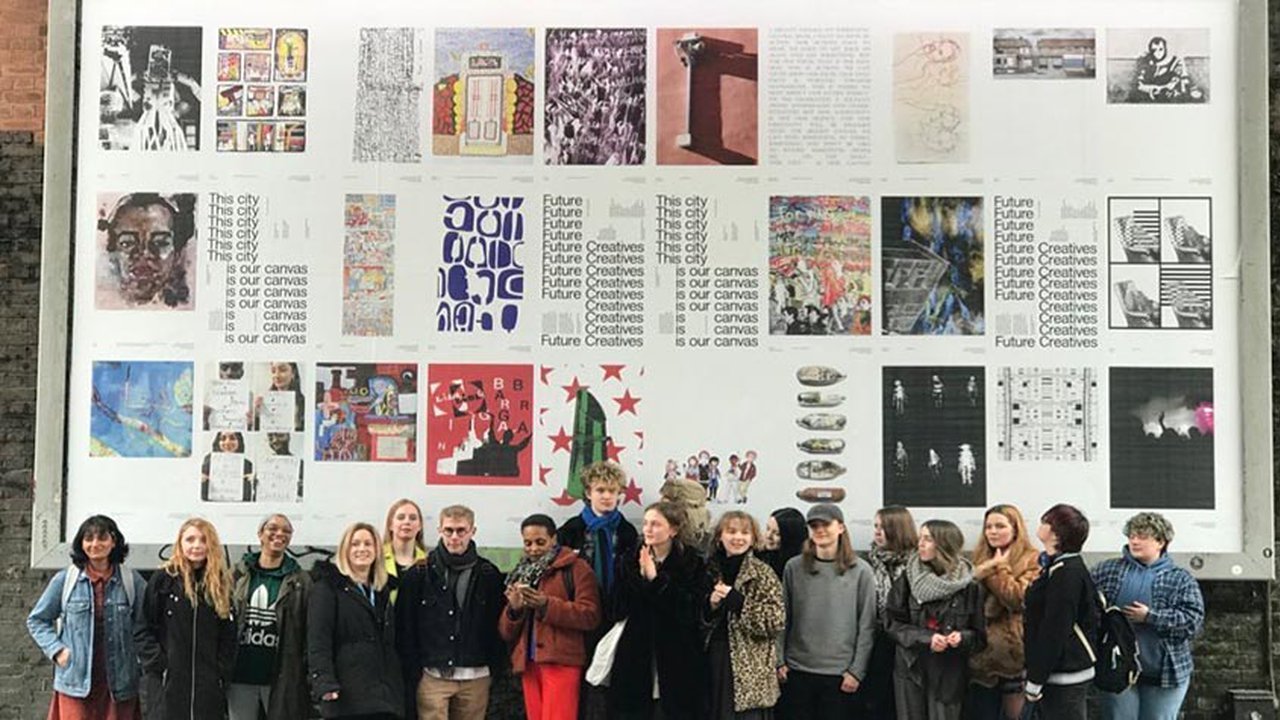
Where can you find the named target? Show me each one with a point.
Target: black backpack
(1117, 665)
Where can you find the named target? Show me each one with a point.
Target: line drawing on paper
(931, 97)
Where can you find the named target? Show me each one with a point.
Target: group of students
(602, 621)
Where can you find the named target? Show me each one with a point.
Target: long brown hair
(1018, 547)
(675, 516)
(899, 529)
(845, 557)
(217, 579)
(948, 543)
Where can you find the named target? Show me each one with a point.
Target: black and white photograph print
(934, 442)
(595, 102)
(1161, 443)
(149, 88)
(1161, 262)
(1047, 414)
(1164, 66)
(389, 96)
(1044, 53)
(1135, 296)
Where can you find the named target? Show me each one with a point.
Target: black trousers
(806, 696)
(1062, 702)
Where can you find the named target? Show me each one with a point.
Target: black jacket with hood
(351, 647)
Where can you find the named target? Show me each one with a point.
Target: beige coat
(1006, 585)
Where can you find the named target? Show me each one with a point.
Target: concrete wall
(1237, 649)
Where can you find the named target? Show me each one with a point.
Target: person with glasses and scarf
(552, 602)
(447, 622)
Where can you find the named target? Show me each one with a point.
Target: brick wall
(1236, 651)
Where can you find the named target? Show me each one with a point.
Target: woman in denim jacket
(87, 629)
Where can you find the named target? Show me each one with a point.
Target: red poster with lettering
(479, 424)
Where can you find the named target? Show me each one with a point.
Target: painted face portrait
(144, 260)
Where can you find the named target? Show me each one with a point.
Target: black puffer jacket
(1061, 622)
(192, 648)
(351, 647)
(663, 630)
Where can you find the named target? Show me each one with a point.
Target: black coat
(432, 630)
(573, 534)
(944, 675)
(1061, 607)
(351, 647)
(663, 626)
(193, 648)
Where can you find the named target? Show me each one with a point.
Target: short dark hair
(542, 521)
(99, 525)
(1069, 524)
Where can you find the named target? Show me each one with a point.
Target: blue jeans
(1144, 702)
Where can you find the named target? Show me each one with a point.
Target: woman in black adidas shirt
(1061, 619)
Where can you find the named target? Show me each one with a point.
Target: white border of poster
(946, 117)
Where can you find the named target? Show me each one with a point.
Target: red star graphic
(614, 371)
(565, 499)
(613, 450)
(562, 440)
(542, 473)
(627, 403)
(573, 389)
(545, 371)
(631, 493)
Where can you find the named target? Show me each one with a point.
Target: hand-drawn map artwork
(149, 89)
(932, 263)
(931, 97)
(480, 424)
(145, 251)
(589, 413)
(1047, 413)
(595, 104)
(819, 265)
(934, 442)
(1161, 66)
(141, 409)
(1161, 262)
(1044, 53)
(366, 412)
(261, 91)
(483, 97)
(368, 266)
(480, 282)
(389, 88)
(1162, 429)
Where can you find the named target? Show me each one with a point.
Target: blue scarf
(603, 528)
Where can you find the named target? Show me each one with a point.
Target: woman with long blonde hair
(188, 635)
(351, 653)
(402, 544)
(1005, 563)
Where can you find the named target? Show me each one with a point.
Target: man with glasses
(147, 235)
(270, 602)
(447, 623)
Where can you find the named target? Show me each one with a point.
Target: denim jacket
(76, 633)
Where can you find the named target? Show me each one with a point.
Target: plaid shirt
(1176, 613)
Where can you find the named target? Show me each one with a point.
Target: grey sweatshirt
(831, 618)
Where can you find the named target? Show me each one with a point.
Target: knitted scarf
(530, 571)
(602, 529)
(887, 567)
(926, 586)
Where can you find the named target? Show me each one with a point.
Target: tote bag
(602, 661)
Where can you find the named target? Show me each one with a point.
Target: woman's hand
(938, 643)
(848, 683)
(718, 594)
(63, 658)
(330, 696)
(515, 597)
(648, 568)
(534, 599)
(953, 638)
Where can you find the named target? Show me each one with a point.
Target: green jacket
(289, 695)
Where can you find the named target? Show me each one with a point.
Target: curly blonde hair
(216, 585)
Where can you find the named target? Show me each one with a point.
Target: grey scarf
(926, 586)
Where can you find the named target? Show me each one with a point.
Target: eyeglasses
(455, 531)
